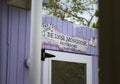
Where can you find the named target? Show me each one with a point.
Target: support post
(35, 42)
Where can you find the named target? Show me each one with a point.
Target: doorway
(67, 68)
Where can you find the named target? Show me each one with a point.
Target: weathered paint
(15, 42)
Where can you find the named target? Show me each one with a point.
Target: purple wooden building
(68, 44)
(60, 38)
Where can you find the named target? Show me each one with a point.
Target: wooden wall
(14, 44)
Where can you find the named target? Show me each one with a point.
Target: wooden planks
(14, 44)
(19, 46)
(3, 42)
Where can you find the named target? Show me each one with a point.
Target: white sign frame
(52, 36)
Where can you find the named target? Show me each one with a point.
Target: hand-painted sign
(55, 37)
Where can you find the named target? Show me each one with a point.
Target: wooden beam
(25, 4)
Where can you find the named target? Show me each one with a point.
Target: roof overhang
(25, 4)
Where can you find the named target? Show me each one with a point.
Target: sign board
(53, 36)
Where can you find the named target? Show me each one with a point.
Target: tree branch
(90, 20)
(72, 14)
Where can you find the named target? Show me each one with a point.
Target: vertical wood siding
(14, 44)
(19, 45)
(3, 42)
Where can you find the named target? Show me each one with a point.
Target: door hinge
(45, 55)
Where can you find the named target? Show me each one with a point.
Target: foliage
(73, 10)
(96, 24)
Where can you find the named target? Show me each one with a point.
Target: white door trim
(70, 57)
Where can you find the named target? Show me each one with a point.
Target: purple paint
(43, 20)
(48, 20)
(54, 21)
(70, 29)
(92, 48)
(14, 46)
(65, 27)
(74, 32)
(21, 46)
(96, 36)
(95, 69)
(88, 38)
(9, 42)
(27, 44)
(60, 27)
(3, 42)
(14, 41)
(79, 32)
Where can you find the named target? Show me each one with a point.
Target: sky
(85, 14)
